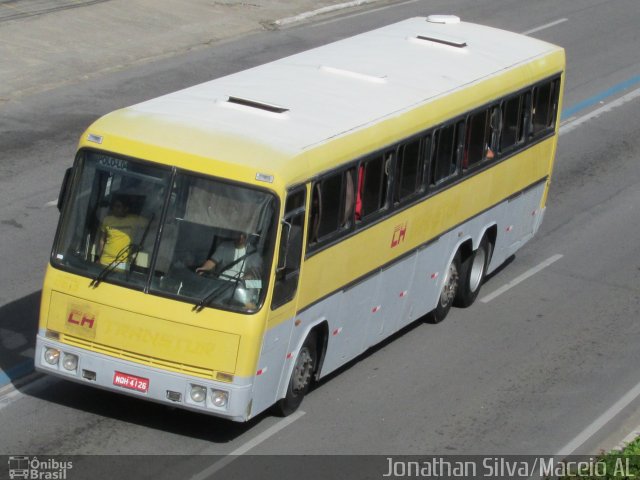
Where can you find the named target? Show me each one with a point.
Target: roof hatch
(450, 41)
(266, 107)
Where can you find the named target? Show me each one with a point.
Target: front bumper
(164, 387)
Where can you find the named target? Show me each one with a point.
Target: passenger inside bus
(118, 231)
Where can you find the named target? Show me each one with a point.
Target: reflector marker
(376, 308)
(509, 228)
(403, 294)
(261, 371)
(434, 275)
(94, 138)
(289, 355)
(337, 331)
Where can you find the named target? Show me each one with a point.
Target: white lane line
(320, 11)
(567, 126)
(600, 422)
(269, 432)
(545, 26)
(521, 278)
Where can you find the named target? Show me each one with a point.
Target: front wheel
(301, 377)
(448, 292)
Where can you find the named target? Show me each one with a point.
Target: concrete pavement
(49, 43)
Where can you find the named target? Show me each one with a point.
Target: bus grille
(136, 357)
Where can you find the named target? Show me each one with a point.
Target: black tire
(301, 377)
(472, 274)
(448, 293)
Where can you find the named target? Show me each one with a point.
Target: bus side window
(514, 113)
(373, 183)
(290, 250)
(545, 106)
(446, 150)
(409, 169)
(332, 205)
(478, 140)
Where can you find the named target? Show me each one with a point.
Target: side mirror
(64, 188)
(284, 242)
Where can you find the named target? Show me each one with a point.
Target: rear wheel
(448, 292)
(472, 273)
(301, 377)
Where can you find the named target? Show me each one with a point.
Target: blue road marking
(15, 372)
(589, 102)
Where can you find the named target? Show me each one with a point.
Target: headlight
(198, 393)
(219, 397)
(51, 356)
(70, 361)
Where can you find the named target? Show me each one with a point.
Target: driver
(233, 254)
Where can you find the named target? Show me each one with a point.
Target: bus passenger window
(408, 174)
(512, 122)
(373, 184)
(332, 205)
(444, 156)
(478, 141)
(545, 105)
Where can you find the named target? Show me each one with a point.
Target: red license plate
(131, 382)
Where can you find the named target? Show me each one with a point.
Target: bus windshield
(167, 232)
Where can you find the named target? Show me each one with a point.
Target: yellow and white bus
(221, 247)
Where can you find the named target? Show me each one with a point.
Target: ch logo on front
(77, 317)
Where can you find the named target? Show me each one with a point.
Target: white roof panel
(345, 85)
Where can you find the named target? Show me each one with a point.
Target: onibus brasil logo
(32, 468)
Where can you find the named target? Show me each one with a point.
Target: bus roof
(295, 103)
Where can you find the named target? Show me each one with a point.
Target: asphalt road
(528, 371)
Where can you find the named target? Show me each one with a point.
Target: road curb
(319, 11)
(635, 433)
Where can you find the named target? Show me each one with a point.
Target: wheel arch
(321, 328)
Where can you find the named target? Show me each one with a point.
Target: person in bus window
(236, 257)
(118, 231)
(488, 152)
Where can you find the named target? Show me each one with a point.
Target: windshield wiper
(230, 281)
(120, 256)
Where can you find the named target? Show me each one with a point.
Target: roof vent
(452, 42)
(447, 19)
(255, 104)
